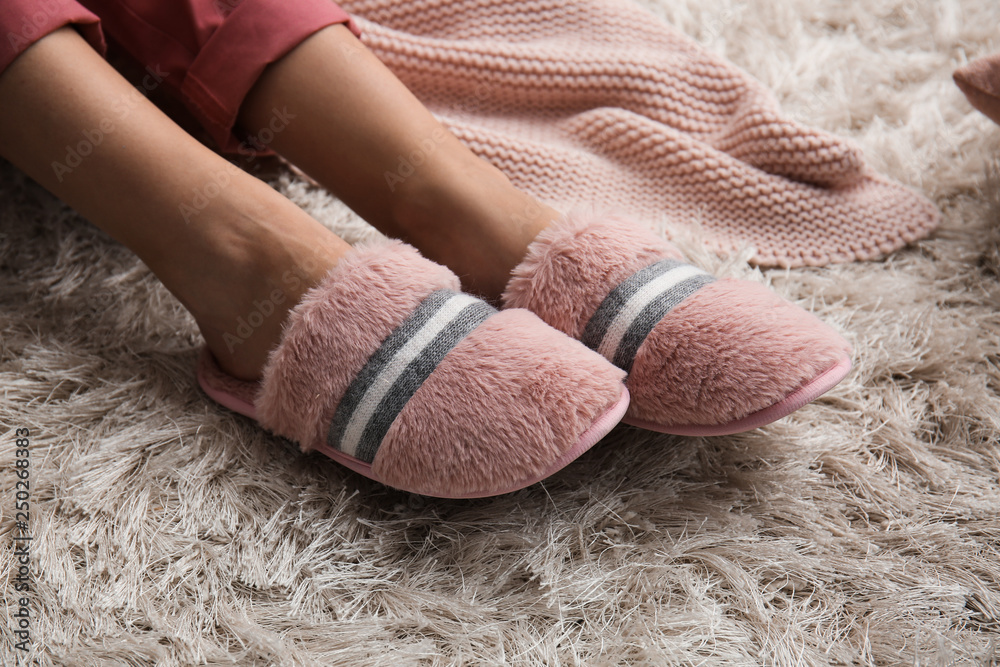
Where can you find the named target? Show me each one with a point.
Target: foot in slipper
(389, 369)
(705, 356)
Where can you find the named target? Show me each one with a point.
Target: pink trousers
(210, 52)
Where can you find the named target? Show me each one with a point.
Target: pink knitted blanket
(599, 102)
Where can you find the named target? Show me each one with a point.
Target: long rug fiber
(862, 530)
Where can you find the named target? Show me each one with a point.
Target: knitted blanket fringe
(597, 102)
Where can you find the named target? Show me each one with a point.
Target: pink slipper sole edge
(234, 403)
(800, 397)
(598, 429)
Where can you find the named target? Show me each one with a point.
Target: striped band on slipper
(628, 314)
(387, 368)
(704, 356)
(397, 369)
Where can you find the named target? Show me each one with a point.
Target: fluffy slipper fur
(388, 369)
(704, 356)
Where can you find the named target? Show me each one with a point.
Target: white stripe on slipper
(393, 368)
(633, 308)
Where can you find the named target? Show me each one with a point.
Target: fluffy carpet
(862, 530)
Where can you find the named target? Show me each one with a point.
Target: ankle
(243, 331)
(241, 273)
(470, 217)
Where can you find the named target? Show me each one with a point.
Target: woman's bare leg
(354, 121)
(225, 252)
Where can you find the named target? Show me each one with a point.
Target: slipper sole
(597, 430)
(800, 397)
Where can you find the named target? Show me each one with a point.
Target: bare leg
(248, 250)
(354, 120)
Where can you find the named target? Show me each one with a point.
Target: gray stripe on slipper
(397, 369)
(630, 311)
(648, 318)
(597, 326)
(416, 372)
(390, 346)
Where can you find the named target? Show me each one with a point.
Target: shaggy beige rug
(862, 530)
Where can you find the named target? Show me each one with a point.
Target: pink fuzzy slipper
(388, 369)
(704, 356)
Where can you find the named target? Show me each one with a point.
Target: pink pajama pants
(209, 52)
